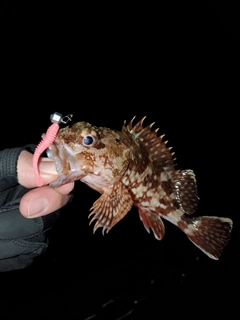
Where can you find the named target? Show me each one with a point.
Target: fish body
(134, 167)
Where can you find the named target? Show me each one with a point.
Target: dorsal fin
(158, 151)
(185, 187)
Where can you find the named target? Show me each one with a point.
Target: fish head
(95, 155)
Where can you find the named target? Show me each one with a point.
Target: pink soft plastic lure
(47, 140)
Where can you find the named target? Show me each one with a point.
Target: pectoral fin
(153, 221)
(111, 207)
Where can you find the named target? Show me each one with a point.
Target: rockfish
(134, 167)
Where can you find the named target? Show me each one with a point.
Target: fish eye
(89, 140)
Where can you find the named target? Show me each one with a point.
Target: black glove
(21, 239)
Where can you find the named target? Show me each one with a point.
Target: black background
(178, 65)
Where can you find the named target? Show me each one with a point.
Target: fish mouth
(67, 167)
(53, 153)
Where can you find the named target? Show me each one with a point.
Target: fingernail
(37, 206)
(47, 166)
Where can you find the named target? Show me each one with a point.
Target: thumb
(26, 174)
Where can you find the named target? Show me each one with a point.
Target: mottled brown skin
(135, 167)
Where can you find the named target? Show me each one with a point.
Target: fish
(135, 167)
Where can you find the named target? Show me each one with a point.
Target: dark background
(178, 65)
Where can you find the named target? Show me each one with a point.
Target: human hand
(40, 201)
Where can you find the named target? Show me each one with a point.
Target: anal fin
(153, 221)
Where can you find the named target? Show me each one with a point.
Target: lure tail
(47, 140)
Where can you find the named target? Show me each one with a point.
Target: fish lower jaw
(63, 179)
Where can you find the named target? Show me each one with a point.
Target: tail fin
(209, 234)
